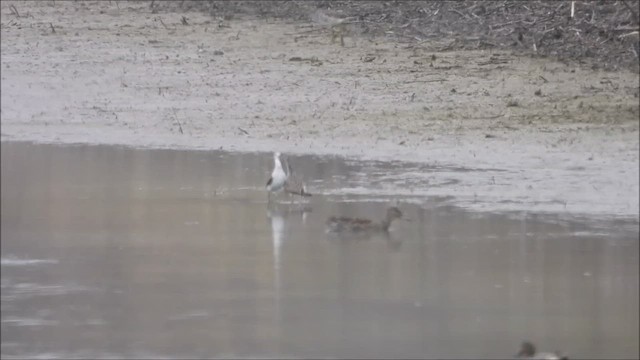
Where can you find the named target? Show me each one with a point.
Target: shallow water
(115, 252)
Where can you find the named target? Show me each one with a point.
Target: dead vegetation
(603, 34)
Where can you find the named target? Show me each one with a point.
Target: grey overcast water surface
(118, 252)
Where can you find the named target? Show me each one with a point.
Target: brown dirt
(603, 34)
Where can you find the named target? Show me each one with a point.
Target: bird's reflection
(393, 242)
(279, 216)
(277, 232)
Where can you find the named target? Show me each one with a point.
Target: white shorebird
(283, 178)
(278, 176)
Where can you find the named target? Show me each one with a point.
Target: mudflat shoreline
(560, 136)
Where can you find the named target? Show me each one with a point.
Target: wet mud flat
(549, 135)
(116, 252)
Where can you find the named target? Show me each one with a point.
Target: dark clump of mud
(603, 34)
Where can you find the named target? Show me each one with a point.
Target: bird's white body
(278, 176)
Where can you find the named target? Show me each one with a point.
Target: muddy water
(113, 252)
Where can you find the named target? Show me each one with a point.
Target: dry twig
(177, 120)
(14, 11)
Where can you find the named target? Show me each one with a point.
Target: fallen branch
(177, 120)
(629, 34)
(163, 24)
(14, 11)
(573, 8)
(425, 81)
(460, 13)
(625, 28)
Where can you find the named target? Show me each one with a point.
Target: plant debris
(603, 34)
